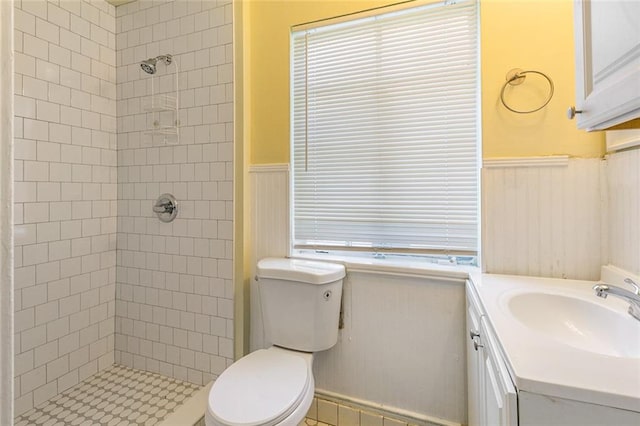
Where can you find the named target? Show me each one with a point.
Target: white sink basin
(578, 323)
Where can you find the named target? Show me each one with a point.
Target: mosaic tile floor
(118, 396)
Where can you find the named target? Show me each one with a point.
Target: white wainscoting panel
(269, 228)
(270, 210)
(543, 217)
(402, 347)
(623, 190)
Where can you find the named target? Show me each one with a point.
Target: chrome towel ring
(515, 77)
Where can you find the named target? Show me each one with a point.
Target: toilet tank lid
(306, 271)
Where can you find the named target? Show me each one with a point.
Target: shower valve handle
(166, 207)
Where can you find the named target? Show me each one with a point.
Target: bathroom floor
(116, 396)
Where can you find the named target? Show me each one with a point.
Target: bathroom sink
(577, 322)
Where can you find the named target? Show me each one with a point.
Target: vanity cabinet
(492, 397)
(474, 360)
(499, 394)
(607, 42)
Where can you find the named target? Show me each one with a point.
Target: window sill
(398, 267)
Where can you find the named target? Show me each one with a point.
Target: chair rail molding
(544, 161)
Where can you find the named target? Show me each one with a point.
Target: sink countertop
(539, 364)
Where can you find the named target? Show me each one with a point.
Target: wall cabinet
(607, 38)
(492, 397)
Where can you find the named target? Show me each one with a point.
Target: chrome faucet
(633, 297)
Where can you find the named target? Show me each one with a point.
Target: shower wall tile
(174, 308)
(65, 161)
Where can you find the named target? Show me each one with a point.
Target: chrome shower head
(149, 66)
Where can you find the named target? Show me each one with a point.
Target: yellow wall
(532, 34)
(528, 34)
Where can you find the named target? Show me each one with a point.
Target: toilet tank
(300, 301)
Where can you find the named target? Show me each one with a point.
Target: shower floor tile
(118, 396)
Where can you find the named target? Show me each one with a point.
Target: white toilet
(300, 301)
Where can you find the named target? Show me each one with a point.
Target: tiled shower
(99, 279)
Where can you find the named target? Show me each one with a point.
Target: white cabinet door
(474, 361)
(501, 400)
(607, 35)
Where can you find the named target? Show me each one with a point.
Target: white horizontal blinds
(385, 133)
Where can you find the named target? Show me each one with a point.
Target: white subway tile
(69, 267)
(60, 211)
(68, 380)
(24, 234)
(47, 272)
(70, 229)
(69, 306)
(24, 21)
(80, 26)
(47, 31)
(36, 212)
(33, 379)
(60, 55)
(57, 329)
(23, 363)
(59, 133)
(90, 13)
(89, 48)
(24, 64)
(69, 40)
(46, 312)
(36, 253)
(33, 337)
(48, 191)
(81, 64)
(34, 129)
(58, 16)
(58, 289)
(57, 368)
(33, 296)
(47, 71)
(37, 8)
(25, 277)
(36, 171)
(23, 150)
(47, 111)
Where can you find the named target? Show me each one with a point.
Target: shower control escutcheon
(166, 207)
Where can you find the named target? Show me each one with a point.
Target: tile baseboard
(339, 410)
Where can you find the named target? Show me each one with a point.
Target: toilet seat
(263, 388)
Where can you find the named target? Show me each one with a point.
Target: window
(385, 133)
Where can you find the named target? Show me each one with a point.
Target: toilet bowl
(268, 387)
(300, 303)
